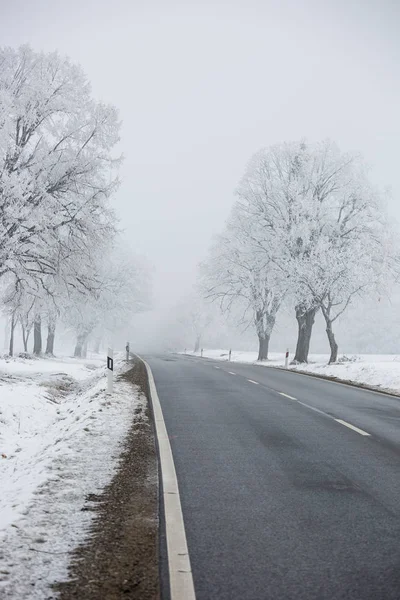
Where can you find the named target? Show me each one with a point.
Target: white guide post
(287, 359)
(110, 369)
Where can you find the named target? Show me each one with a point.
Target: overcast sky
(202, 85)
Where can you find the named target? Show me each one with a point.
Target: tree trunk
(6, 334)
(305, 320)
(197, 343)
(51, 332)
(27, 334)
(263, 345)
(37, 335)
(12, 328)
(24, 337)
(80, 340)
(265, 323)
(332, 342)
(84, 349)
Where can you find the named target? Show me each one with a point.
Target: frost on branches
(55, 146)
(240, 273)
(123, 291)
(57, 173)
(308, 226)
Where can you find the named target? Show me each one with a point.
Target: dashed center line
(287, 396)
(321, 412)
(350, 426)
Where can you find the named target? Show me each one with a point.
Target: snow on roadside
(61, 436)
(77, 368)
(375, 370)
(31, 403)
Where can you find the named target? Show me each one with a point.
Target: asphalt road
(280, 500)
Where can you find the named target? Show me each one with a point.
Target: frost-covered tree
(56, 164)
(337, 277)
(26, 320)
(38, 300)
(123, 290)
(18, 307)
(191, 318)
(11, 301)
(57, 173)
(241, 272)
(314, 204)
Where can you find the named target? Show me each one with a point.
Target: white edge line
(360, 431)
(231, 373)
(255, 382)
(287, 396)
(180, 573)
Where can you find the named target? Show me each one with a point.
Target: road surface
(290, 485)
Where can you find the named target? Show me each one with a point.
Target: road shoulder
(120, 558)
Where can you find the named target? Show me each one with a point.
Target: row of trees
(59, 254)
(307, 230)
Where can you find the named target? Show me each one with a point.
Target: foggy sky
(202, 85)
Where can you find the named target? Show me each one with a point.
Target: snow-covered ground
(376, 370)
(60, 439)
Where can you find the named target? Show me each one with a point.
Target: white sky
(202, 85)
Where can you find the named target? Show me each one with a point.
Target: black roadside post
(110, 369)
(127, 350)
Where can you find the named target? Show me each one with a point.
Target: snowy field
(60, 438)
(375, 370)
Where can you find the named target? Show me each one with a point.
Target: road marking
(355, 387)
(180, 572)
(349, 425)
(360, 431)
(321, 412)
(287, 396)
(217, 367)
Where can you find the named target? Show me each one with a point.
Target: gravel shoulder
(120, 557)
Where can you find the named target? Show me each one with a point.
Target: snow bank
(376, 370)
(60, 438)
